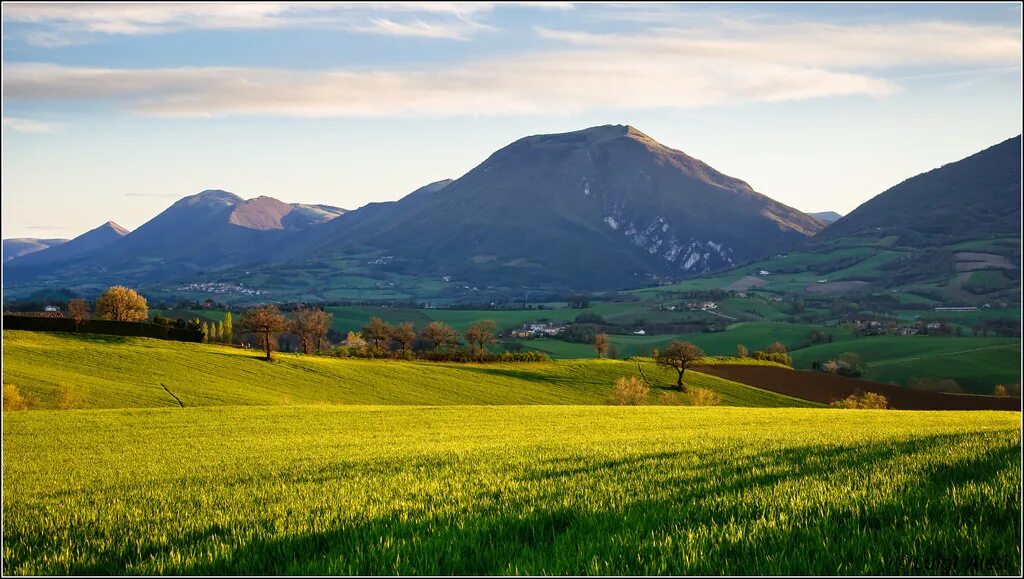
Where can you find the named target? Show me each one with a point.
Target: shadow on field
(94, 338)
(876, 509)
(529, 375)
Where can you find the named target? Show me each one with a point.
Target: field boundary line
(957, 353)
(176, 399)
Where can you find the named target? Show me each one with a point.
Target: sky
(115, 111)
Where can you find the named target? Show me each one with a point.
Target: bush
(630, 392)
(703, 397)
(777, 357)
(999, 390)
(863, 401)
(671, 399)
(13, 399)
(70, 397)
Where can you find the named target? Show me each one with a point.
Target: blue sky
(113, 111)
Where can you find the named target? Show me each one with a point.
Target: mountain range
(602, 208)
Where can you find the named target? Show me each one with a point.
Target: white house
(639, 333)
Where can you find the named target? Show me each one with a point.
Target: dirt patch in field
(835, 287)
(745, 283)
(825, 388)
(970, 261)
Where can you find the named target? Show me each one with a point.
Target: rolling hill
(95, 239)
(20, 246)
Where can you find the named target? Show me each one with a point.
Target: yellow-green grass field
(510, 489)
(316, 465)
(122, 372)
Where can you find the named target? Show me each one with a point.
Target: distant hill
(90, 241)
(210, 229)
(827, 216)
(18, 247)
(602, 207)
(968, 199)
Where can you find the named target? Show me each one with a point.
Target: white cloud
(66, 24)
(872, 46)
(22, 125)
(732, 62)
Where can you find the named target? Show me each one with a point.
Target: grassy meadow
(504, 490)
(204, 459)
(124, 372)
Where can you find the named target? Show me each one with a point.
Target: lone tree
(78, 309)
(377, 332)
(441, 334)
(122, 304)
(601, 345)
(311, 327)
(266, 322)
(480, 334)
(678, 356)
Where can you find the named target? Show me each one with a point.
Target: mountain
(20, 246)
(208, 230)
(827, 216)
(971, 198)
(90, 241)
(602, 207)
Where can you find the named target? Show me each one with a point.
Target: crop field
(977, 364)
(754, 335)
(497, 490)
(120, 372)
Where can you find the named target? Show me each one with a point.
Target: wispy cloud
(66, 24)
(22, 125)
(733, 62)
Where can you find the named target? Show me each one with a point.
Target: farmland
(494, 490)
(119, 372)
(977, 364)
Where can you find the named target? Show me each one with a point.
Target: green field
(120, 372)
(496, 490)
(754, 335)
(977, 364)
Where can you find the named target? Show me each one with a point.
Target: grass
(977, 364)
(120, 372)
(511, 490)
(754, 335)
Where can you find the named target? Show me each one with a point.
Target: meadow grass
(503, 490)
(119, 372)
(977, 364)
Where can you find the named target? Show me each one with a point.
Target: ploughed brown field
(826, 388)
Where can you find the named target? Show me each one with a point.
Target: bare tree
(404, 334)
(678, 356)
(266, 322)
(311, 327)
(441, 334)
(122, 304)
(78, 309)
(377, 332)
(480, 334)
(601, 345)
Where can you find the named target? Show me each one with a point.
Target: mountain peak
(211, 197)
(110, 225)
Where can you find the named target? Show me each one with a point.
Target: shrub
(777, 357)
(999, 390)
(70, 397)
(671, 399)
(13, 399)
(862, 400)
(630, 392)
(704, 397)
